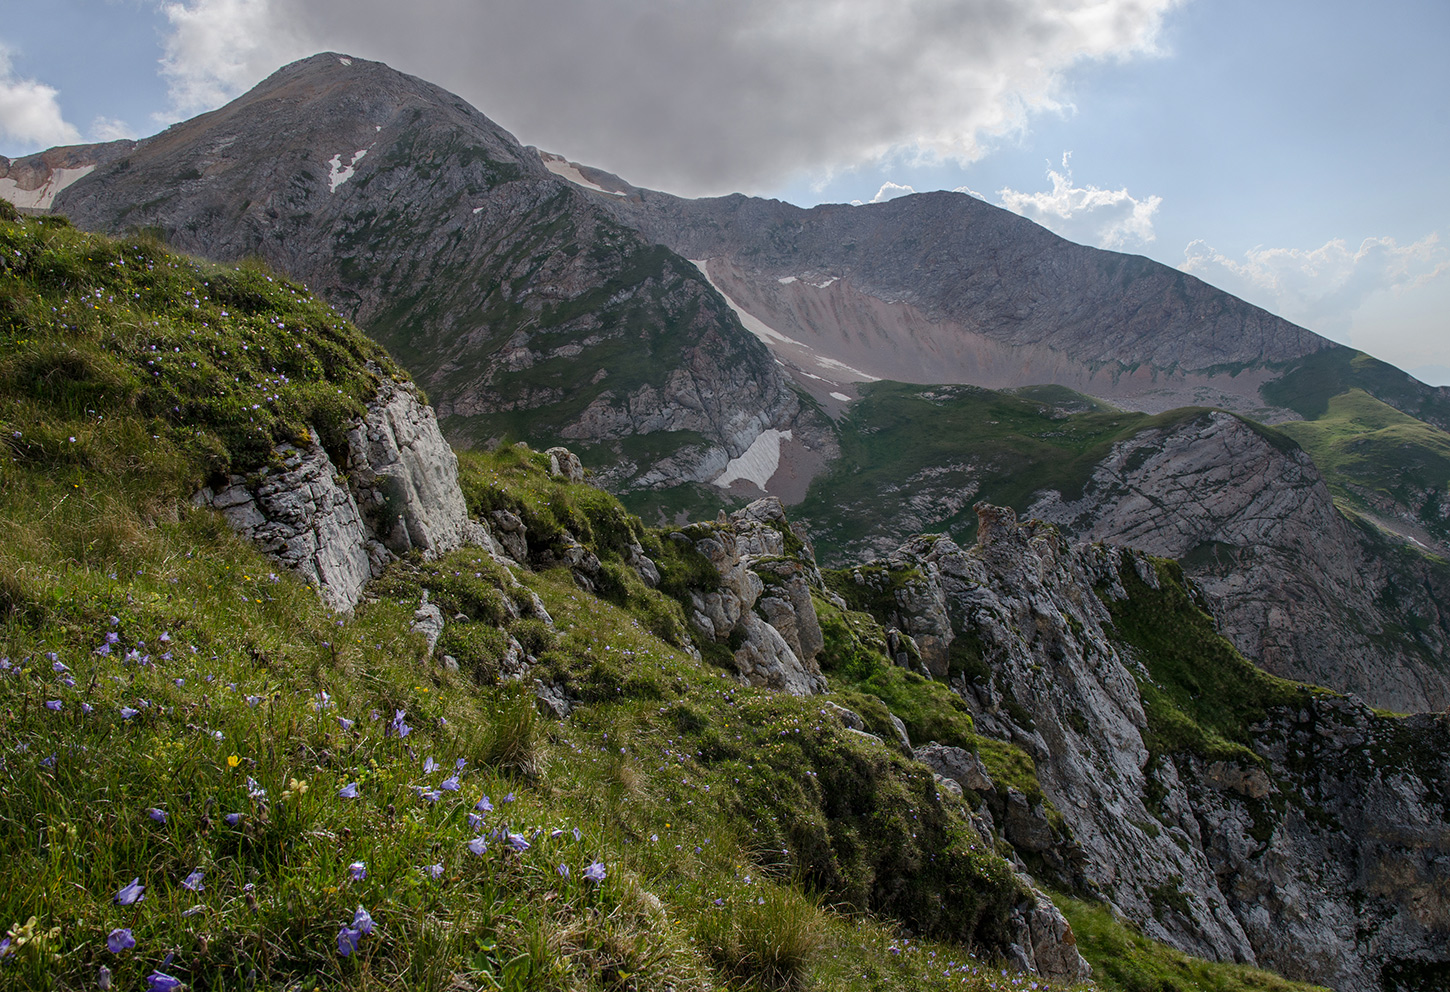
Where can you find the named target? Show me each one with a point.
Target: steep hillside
(1307, 592)
(519, 303)
(534, 762)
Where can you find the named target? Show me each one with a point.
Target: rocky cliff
(337, 526)
(1224, 811)
(1293, 583)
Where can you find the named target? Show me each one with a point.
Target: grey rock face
(309, 516)
(775, 647)
(307, 520)
(1292, 582)
(1330, 857)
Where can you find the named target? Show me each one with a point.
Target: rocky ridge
(1319, 848)
(1293, 583)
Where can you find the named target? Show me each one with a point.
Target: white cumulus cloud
(1321, 288)
(110, 129)
(1104, 218)
(217, 49)
(709, 96)
(890, 191)
(30, 115)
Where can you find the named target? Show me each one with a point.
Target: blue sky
(1291, 152)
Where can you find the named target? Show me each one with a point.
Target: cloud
(1322, 287)
(890, 191)
(110, 129)
(29, 112)
(702, 97)
(1104, 218)
(217, 49)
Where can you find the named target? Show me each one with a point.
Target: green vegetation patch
(1124, 960)
(116, 355)
(946, 438)
(1201, 696)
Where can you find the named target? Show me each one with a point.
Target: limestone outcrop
(1321, 849)
(337, 526)
(762, 606)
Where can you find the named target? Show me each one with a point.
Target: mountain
(700, 352)
(1017, 748)
(520, 304)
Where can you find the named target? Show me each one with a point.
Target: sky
(1293, 152)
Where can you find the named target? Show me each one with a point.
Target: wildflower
(233, 760)
(434, 872)
(508, 798)
(193, 882)
(429, 765)
(518, 842)
(119, 940)
(160, 981)
(576, 835)
(363, 922)
(58, 667)
(358, 871)
(103, 978)
(563, 871)
(130, 894)
(295, 787)
(347, 939)
(252, 701)
(53, 705)
(475, 822)
(458, 765)
(595, 872)
(254, 790)
(398, 727)
(478, 845)
(48, 762)
(348, 791)
(5, 948)
(484, 805)
(165, 638)
(233, 819)
(345, 723)
(159, 815)
(87, 709)
(449, 784)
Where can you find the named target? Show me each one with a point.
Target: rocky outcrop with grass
(761, 605)
(1236, 815)
(337, 526)
(1294, 583)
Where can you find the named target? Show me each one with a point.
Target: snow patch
(759, 461)
(841, 396)
(477, 210)
(42, 197)
(823, 285)
(566, 170)
(344, 60)
(769, 335)
(340, 173)
(786, 280)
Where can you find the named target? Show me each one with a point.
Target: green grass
(1370, 451)
(1201, 696)
(940, 440)
(1125, 961)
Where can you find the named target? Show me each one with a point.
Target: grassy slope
(1014, 446)
(1369, 451)
(155, 663)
